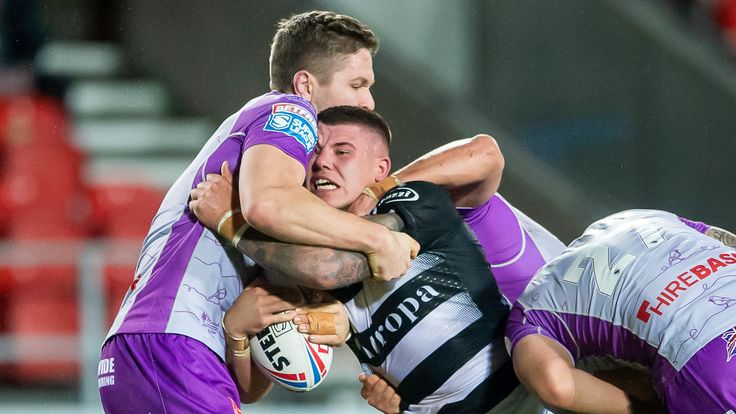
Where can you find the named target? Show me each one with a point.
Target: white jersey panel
(648, 272)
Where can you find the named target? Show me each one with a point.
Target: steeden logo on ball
(287, 358)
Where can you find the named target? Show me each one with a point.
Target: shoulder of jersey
(288, 359)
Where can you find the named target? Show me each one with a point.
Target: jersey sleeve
(425, 208)
(697, 225)
(521, 324)
(289, 124)
(511, 250)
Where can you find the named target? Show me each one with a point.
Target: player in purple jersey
(165, 350)
(338, 174)
(643, 288)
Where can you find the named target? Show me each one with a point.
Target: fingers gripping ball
(288, 359)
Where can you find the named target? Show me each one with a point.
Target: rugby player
(643, 287)
(167, 343)
(435, 333)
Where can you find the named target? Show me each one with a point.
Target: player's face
(348, 158)
(349, 85)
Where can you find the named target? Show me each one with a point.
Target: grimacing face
(349, 85)
(347, 159)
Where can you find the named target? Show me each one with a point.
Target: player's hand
(260, 305)
(326, 323)
(213, 197)
(394, 257)
(379, 394)
(362, 205)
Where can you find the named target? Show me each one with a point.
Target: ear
(383, 168)
(302, 84)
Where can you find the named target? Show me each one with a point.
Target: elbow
(250, 398)
(260, 214)
(318, 282)
(246, 398)
(556, 386)
(259, 389)
(487, 148)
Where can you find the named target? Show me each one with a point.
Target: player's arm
(251, 383)
(635, 383)
(469, 169)
(724, 236)
(258, 306)
(545, 368)
(315, 267)
(274, 201)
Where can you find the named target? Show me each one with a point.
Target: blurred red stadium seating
(47, 214)
(122, 213)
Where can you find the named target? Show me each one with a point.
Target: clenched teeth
(323, 184)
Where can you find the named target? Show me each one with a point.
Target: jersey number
(607, 274)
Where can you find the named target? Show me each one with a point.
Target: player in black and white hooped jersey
(436, 332)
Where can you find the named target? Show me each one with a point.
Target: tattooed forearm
(310, 266)
(314, 267)
(724, 236)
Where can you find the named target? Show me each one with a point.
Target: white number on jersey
(607, 274)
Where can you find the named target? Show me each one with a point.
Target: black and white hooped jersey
(436, 333)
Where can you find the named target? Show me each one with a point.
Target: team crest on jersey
(401, 194)
(730, 337)
(294, 121)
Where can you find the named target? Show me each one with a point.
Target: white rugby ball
(287, 358)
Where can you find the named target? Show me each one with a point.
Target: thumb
(225, 172)
(414, 246)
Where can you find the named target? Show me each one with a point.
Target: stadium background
(598, 106)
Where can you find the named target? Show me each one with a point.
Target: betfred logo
(682, 283)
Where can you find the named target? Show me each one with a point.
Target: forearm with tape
(232, 226)
(377, 190)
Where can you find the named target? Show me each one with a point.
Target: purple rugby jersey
(185, 279)
(644, 287)
(515, 245)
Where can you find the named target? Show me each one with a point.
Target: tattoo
(314, 267)
(725, 237)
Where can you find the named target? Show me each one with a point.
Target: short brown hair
(355, 115)
(312, 41)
